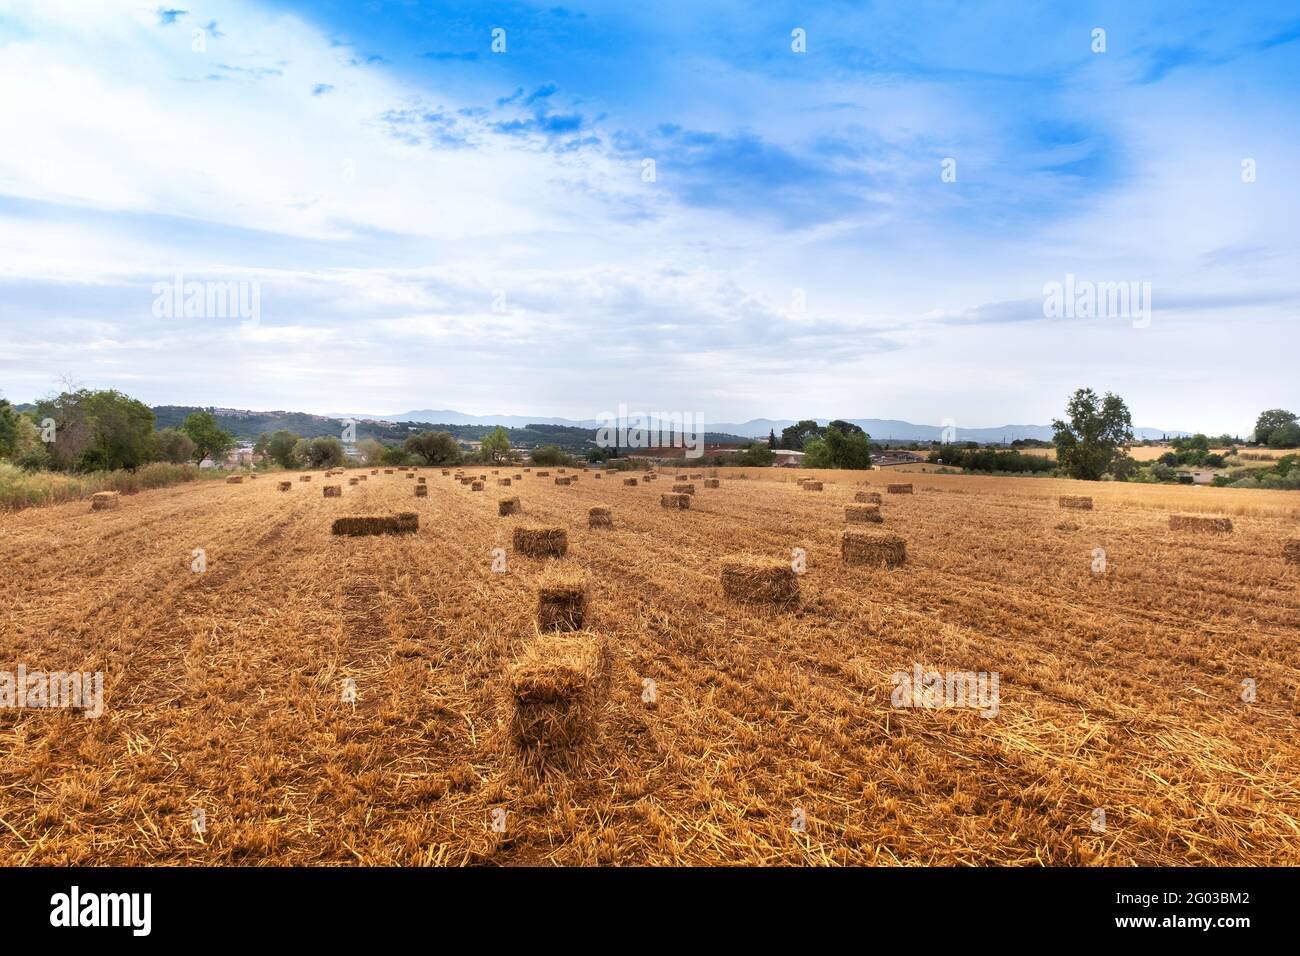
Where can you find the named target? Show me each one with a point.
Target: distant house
(785, 458)
(1204, 476)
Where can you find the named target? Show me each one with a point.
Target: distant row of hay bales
(406, 522)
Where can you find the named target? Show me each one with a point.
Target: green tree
(210, 439)
(771, 438)
(817, 454)
(173, 445)
(8, 429)
(435, 448)
(101, 429)
(496, 445)
(1092, 439)
(1271, 420)
(280, 448)
(393, 456)
(1286, 436)
(549, 455)
(323, 452)
(848, 449)
(794, 437)
(756, 455)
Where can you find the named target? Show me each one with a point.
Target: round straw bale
(556, 692)
(682, 502)
(519, 477)
(600, 518)
(760, 580)
(105, 500)
(1082, 502)
(410, 474)
(561, 599)
(541, 542)
(899, 489)
(862, 514)
(508, 506)
(867, 497)
(333, 491)
(362, 477)
(1200, 523)
(872, 547)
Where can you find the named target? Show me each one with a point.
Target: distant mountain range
(879, 429)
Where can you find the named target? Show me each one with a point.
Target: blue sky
(431, 223)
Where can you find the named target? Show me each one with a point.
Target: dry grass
(223, 689)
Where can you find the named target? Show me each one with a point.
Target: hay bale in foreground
(508, 506)
(234, 479)
(286, 485)
(557, 690)
(1291, 551)
(600, 518)
(541, 542)
(1082, 502)
(476, 486)
(406, 522)
(421, 491)
(681, 502)
(712, 483)
(867, 497)
(1200, 523)
(684, 489)
(810, 484)
(862, 514)
(901, 489)
(105, 500)
(760, 580)
(333, 491)
(872, 547)
(561, 599)
(630, 482)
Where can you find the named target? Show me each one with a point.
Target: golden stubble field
(224, 689)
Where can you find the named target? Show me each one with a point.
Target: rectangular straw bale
(541, 542)
(286, 485)
(712, 483)
(899, 489)
(631, 482)
(600, 518)
(234, 479)
(760, 580)
(862, 514)
(407, 522)
(681, 502)
(333, 491)
(867, 497)
(557, 690)
(105, 500)
(872, 547)
(684, 489)
(1200, 523)
(421, 491)
(1082, 502)
(561, 599)
(810, 485)
(508, 506)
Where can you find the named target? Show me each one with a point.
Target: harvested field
(222, 690)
